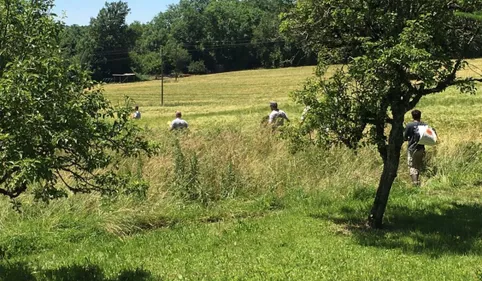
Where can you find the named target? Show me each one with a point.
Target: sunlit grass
(267, 214)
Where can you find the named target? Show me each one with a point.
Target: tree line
(197, 37)
(193, 36)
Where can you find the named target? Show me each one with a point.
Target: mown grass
(229, 202)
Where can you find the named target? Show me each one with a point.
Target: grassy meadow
(228, 201)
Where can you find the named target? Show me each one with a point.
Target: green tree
(72, 41)
(144, 52)
(109, 41)
(225, 34)
(197, 67)
(177, 57)
(57, 130)
(147, 63)
(271, 48)
(397, 52)
(229, 23)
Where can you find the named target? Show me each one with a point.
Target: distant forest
(194, 36)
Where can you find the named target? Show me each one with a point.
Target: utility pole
(162, 78)
(177, 62)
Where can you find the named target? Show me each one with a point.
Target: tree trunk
(390, 168)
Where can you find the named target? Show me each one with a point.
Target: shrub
(197, 67)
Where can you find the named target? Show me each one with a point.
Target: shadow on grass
(435, 229)
(21, 272)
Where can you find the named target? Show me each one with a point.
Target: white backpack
(427, 135)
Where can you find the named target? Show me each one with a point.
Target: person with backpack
(418, 134)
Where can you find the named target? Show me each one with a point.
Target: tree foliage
(57, 130)
(176, 56)
(109, 41)
(197, 67)
(225, 35)
(396, 52)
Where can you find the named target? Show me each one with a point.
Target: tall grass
(228, 171)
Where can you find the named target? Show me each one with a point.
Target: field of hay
(228, 201)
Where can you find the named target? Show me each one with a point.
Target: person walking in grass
(416, 152)
(277, 116)
(178, 123)
(137, 113)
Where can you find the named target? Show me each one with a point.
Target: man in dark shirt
(416, 152)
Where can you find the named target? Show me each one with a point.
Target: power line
(201, 47)
(222, 43)
(225, 46)
(125, 54)
(236, 43)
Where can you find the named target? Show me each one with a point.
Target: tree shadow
(21, 272)
(18, 271)
(436, 229)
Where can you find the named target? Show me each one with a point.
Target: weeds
(186, 177)
(230, 182)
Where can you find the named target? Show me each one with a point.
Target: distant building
(123, 78)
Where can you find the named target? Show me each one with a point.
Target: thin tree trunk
(390, 168)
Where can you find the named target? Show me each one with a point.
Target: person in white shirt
(137, 113)
(178, 123)
(277, 116)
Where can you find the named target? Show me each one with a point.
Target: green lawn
(261, 213)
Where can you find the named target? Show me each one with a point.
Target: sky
(80, 11)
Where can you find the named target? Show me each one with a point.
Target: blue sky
(80, 11)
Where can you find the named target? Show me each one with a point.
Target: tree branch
(405, 80)
(450, 80)
(71, 188)
(82, 179)
(442, 85)
(447, 82)
(14, 194)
